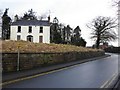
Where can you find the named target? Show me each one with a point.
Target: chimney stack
(49, 18)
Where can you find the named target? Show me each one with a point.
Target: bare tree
(103, 29)
(43, 16)
(1, 23)
(116, 3)
(1, 16)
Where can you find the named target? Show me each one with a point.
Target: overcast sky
(72, 12)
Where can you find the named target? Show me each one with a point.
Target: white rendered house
(37, 31)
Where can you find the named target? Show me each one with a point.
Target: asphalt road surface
(92, 74)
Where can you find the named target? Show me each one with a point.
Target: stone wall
(32, 60)
(113, 50)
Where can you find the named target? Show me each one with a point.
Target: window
(18, 37)
(41, 29)
(30, 29)
(41, 39)
(30, 38)
(19, 29)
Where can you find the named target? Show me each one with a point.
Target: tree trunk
(98, 42)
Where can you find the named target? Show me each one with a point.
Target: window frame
(30, 29)
(40, 39)
(19, 37)
(19, 29)
(41, 29)
(30, 38)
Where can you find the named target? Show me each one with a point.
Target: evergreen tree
(77, 32)
(30, 15)
(82, 42)
(6, 25)
(62, 32)
(64, 35)
(68, 34)
(55, 32)
(77, 39)
(76, 36)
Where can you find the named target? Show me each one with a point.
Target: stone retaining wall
(31, 60)
(113, 50)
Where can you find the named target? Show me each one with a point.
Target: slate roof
(31, 22)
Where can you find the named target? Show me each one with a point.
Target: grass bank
(12, 47)
(39, 54)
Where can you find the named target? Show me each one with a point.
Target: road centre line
(108, 82)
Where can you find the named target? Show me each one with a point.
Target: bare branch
(103, 29)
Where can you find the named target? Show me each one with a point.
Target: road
(92, 74)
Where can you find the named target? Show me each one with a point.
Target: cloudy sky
(72, 12)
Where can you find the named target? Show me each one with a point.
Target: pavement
(25, 73)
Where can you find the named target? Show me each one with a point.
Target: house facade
(37, 31)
